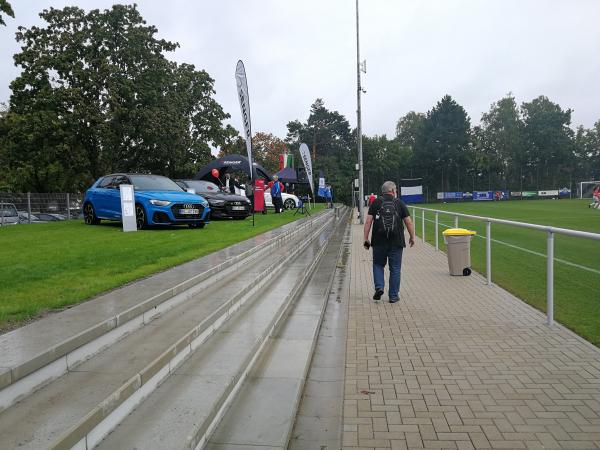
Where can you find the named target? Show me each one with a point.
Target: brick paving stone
(459, 364)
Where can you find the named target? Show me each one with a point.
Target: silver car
(9, 214)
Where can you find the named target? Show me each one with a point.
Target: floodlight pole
(361, 192)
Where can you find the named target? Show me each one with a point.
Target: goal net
(586, 188)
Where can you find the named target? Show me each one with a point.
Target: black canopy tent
(231, 163)
(288, 175)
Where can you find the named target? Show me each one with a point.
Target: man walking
(387, 215)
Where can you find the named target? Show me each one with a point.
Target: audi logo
(188, 206)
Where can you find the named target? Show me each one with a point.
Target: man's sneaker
(377, 295)
(394, 300)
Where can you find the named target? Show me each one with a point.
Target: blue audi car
(158, 201)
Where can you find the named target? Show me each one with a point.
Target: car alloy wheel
(289, 204)
(89, 215)
(140, 217)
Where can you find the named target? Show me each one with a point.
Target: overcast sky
(416, 52)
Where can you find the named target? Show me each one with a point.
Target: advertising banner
(305, 155)
(322, 192)
(242, 89)
(516, 194)
(446, 195)
(551, 193)
(259, 195)
(501, 195)
(483, 195)
(411, 194)
(127, 194)
(529, 194)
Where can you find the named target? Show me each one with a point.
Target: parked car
(222, 204)
(9, 214)
(289, 201)
(51, 217)
(158, 201)
(24, 216)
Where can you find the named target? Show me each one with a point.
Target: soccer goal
(586, 188)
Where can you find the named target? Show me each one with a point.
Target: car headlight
(160, 202)
(217, 202)
(205, 203)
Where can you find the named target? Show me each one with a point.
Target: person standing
(386, 215)
(372, 198)
(276, 190)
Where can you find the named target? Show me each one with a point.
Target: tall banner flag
(305, 155)
(242, 88)
(322, 192)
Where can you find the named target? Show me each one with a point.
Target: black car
(222, 204)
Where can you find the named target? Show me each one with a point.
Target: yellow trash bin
(458, 244)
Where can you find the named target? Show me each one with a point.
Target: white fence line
(550, 232)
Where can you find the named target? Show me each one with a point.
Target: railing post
(423, 224)
(488, 252)
(29, 206)
(436, 231)
(550, 279)
(68, 207)
(455, 221)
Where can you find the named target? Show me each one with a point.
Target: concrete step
(184, 410)
(38, 353)
(264, 412)
(63, 411)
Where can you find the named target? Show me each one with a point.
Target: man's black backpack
(387, 219)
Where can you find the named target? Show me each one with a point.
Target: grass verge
(576, 290)
(53, 265)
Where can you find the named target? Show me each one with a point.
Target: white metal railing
(550, 232)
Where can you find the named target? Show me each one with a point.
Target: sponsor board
(551, 193)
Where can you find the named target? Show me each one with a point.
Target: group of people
(233, 186)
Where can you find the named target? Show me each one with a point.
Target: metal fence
(550, 232)
(30, 203)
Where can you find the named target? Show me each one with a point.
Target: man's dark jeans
(381, 255)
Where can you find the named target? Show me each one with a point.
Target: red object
(259, 195)
(215, 173)
(281, 186)
(372, 198)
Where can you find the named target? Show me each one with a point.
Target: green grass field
(576, 289)
(53, 265)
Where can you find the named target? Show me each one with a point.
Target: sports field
(519, 255)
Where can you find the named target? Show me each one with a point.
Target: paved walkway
(460, 365)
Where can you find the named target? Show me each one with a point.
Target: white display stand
(128, 207)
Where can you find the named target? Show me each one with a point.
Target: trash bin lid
(458, 232)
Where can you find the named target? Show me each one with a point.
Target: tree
(266, 149)
(329, 135)
(6, 9)
(549, 137)
(105, 99)
(505, 151)
(442, 149)
(409, 129)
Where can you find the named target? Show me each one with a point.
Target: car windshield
(202, 186)
(8, 211)
(153, 183)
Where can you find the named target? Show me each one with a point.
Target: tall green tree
(104, 98)
(441, 152)
(329, 136)
(6, 9)
(550, 141)
(505, 150)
